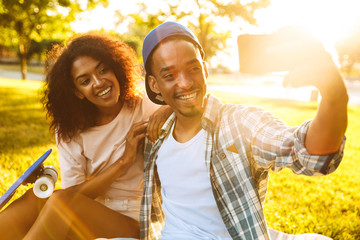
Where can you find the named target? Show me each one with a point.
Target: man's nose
(184, 81)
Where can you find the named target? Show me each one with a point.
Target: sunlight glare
(327, 20)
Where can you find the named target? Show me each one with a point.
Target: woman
(99, 120)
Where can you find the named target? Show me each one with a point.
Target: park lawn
(328, 205)
(24, 134)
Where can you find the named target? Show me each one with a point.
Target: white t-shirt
(188, 202)
(94, 150)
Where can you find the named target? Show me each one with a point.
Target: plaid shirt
(242, 144)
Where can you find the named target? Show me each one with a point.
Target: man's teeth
(187, 97)
(104, 92)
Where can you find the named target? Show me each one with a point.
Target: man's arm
(327, 129)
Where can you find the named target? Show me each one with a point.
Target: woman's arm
(99, 184)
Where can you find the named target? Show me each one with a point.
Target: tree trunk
(23, 66)
(314, 95)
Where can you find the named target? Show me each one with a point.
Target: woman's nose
(97, 81)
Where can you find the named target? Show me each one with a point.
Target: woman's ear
(79, 95)
(153, 84)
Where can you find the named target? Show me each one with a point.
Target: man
(206, 176)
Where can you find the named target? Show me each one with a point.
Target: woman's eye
(85, 82)
(103, 70)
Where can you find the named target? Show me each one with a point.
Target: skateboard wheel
(44, 185)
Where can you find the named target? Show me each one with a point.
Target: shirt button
(223, 155)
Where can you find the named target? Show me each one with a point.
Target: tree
(140, 25)
(210, 11)
(25, 20)
(348, 49)
(201, 17)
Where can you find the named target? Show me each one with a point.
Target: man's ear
(153, 84)
(78, 94)
(206, 68)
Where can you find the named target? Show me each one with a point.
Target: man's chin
(190, 113)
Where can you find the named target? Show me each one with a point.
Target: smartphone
(277, 52)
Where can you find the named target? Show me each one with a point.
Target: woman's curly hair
(68, 114)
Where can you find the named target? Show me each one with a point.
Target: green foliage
(328, 205)
(37, 20)
(139, 27)
(201, 18)
(41, 48)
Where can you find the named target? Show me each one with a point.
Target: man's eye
(195, 69)
(168, 76)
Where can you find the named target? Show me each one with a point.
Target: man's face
(179, 74)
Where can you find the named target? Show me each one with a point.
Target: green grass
(24, 134)
(328, 205)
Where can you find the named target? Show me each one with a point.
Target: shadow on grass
(22, 120)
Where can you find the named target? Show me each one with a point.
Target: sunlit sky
(328, 20)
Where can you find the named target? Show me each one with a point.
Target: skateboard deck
(24, 178)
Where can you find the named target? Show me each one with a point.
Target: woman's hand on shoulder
(156, 121)
(133, 140)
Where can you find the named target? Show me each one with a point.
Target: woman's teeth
(188, 97)
(104, 92)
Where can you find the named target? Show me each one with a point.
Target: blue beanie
(153, 39)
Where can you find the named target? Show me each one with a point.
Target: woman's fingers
(133, 139)
(136, 133)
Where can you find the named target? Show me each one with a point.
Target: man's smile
(188, 97)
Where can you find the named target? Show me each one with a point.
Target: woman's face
(96, 82)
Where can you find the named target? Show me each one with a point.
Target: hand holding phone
(283, 50)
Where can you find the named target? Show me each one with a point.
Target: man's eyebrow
(84, 75)
(168, 68)
(195, 60)
(165, 69)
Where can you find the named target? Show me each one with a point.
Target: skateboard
(43, 177)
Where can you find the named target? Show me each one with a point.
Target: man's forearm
(328, 128)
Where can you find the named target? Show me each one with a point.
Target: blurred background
(29, 28)
(230, 31)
